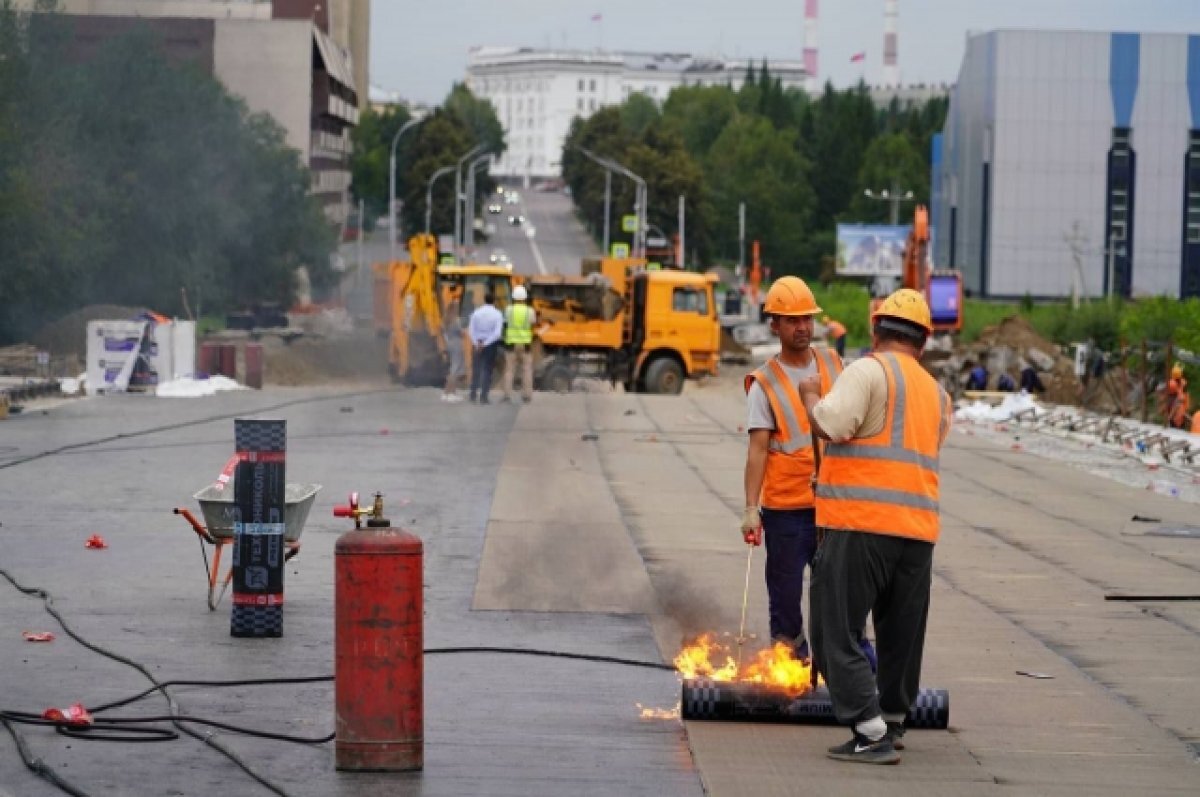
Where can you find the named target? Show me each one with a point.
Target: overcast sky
(419, 47)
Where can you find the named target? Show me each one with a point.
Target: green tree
(440, 140)
(372, 156)
(125, 179)
(752, 162)
(603, 134)
(478, 116)
(843, 125)
(638, 113)
(699, 114)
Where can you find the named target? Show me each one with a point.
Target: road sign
(620, 250)
(654, 266)
(629, 223)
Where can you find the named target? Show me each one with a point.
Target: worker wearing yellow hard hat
(877, 505)
(780, 459)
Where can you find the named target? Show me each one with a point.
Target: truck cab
(648, 329)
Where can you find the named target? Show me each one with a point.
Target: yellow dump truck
(646, 329)
(410, 299)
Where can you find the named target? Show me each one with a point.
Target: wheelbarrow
(216, 505)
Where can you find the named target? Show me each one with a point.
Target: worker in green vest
(519, 319)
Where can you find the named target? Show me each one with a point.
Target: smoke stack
(812, 79)
(891, 69)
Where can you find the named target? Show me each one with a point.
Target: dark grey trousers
(855, 573)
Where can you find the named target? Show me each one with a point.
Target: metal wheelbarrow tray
(217, 507)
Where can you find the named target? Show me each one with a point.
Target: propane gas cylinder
(379, 659)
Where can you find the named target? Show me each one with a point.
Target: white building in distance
(536, 93)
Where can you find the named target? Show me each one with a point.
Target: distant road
(559, 243)
(559, 238)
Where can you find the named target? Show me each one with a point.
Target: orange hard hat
(1177, 371)
(790, 296)
(906, 305)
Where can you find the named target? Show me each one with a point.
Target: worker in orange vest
(877, 508)
(837, 333)
(1176, 399)
(780, 461)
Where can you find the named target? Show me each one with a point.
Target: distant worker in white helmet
(519, 319)
(886, 419)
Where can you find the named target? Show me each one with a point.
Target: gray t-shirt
(758, 408)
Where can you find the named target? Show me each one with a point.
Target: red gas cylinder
(379, 658)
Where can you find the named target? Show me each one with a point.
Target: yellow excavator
(620, 320)
(943, 288)
(411, 297)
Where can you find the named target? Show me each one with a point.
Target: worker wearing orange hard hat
(836, 331)
(1176, 400)
(885, 419)
(781, 459)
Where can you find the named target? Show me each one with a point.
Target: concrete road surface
(601, 524)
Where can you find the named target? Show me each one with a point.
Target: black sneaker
(895, 732)
(862, 750)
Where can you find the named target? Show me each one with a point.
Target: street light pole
(392, 188)
(894, 197)
(607, 203)
(429, 194)
(458, 200)
(681, 260)
(469, 231)
(640, 198)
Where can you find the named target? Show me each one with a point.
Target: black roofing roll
(705, 699)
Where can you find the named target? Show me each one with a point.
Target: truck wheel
(557, 379)
(664, 376)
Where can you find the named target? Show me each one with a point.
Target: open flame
(707, 657)
(650, 713)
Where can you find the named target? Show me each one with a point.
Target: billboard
(871, 250)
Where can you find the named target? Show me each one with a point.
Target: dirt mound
(360, 357)
(1007, 348)
(68, 335)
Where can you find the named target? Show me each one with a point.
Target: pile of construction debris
(1007, 348)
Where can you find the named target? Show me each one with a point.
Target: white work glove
(752, 526)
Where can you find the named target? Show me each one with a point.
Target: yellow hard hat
(1177, 371)
(790, 296)
(906, 305)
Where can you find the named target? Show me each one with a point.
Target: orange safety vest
(1196, 422)
(1177, 403)
(888, 483)
(787, 482)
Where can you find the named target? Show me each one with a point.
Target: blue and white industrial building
(1069, 161)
